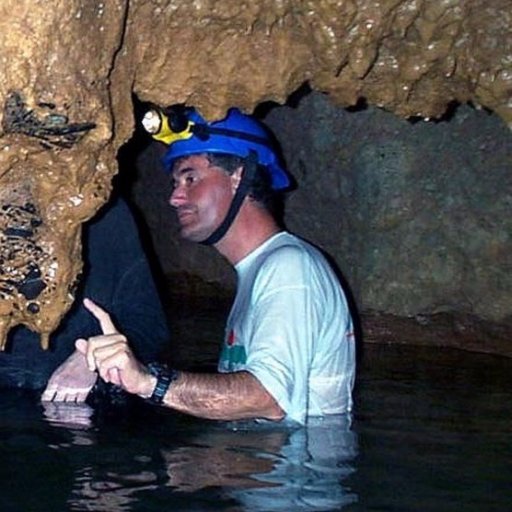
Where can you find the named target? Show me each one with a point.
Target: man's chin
(192, 236)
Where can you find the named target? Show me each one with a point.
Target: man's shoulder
(286, 247)
(284, 259)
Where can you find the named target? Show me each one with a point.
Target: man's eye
(189, 180)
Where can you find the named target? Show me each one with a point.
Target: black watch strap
(164, 378)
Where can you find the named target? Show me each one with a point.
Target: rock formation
(70, 68)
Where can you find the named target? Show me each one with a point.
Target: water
(431, 432)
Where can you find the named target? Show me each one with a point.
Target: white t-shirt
(290, 327)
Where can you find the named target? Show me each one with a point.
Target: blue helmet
(237, 134)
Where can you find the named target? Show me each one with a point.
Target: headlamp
(168, 125)
(173, 123)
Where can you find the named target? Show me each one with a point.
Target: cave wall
(70, 67)
(416, 214)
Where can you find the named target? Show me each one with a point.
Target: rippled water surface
(432, 431)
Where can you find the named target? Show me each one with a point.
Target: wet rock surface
(408, 56)
(414, 213)
(465, 332)
(57, 155)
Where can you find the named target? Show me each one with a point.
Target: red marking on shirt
(350, 334)
(231, 338)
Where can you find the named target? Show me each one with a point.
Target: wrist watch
(164, 378)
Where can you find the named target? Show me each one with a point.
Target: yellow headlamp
(165, 128)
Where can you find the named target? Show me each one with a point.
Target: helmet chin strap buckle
(248, 173)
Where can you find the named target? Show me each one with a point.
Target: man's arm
(230, 396)
(222, 396)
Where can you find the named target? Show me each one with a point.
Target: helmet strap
(248, 173)
(203, 132)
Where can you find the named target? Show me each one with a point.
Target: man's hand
(110, 355)
(71, 381)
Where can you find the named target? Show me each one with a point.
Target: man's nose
(177, 197)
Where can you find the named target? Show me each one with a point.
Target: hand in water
(110, 355)
(71, 381)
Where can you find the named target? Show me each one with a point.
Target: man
(289, 348)
(117, 275)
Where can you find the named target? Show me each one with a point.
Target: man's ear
(236, 178)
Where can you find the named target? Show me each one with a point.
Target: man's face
(201, 196)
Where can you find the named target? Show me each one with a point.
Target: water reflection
(227, 459)
(68, 414)
(232, 466)
(115, 493)
(270, 468)
(110, 474)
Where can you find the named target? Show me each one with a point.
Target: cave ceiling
(70, 69)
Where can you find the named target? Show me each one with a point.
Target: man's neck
(252, 227)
